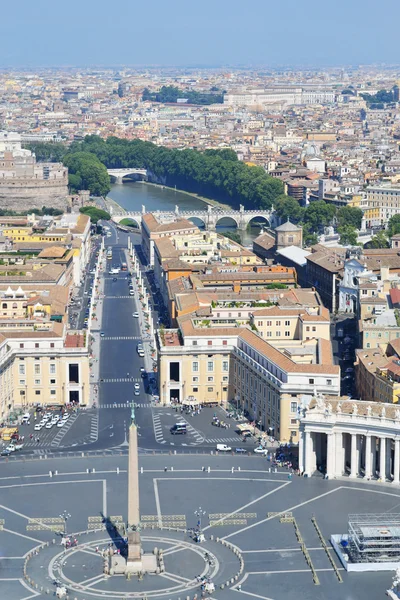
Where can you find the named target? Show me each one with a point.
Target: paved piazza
(257, 554)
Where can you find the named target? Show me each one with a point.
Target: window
(36, 345)
(195, 367)
(37, 369)
(37, 392)
(21, 345)
(287, 323)
(259, 323)
(52, 369)
(269, 333)
(194, 343)
(293, 407)
(4, 305)
(314, 328)
(225, 365)
(210, 379)
(51, 344)
(195, 389)
(22, 382)
(210, 389)
(269, 323)
(287, 333)
(37, 381)
(311, 381)
(22, 392)
(52, 381)
(210, 366)
(307, 329)
(22, 369)
(52, 392)
(209, 343)
(225, 389)
(329, 382)
(224, 342)
(278, 334)
(225, 378)
(278, 324)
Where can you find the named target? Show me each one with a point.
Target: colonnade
(337, 453)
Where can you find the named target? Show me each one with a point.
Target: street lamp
(65, 516)
(199, 514)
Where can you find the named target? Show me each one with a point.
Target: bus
(124, 267)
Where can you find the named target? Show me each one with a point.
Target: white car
(136, 386)
(65, 416)
(11, 448)
(38, 426)
(135, 315)
(49, 425)
(61, 423)
(223, 448)
(260, 450)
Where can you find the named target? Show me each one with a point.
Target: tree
(319, 214)
(90, 174)
(379, 240)
(348, 235)
(393, 225)
(350, 215)
(288, 208)
(95, 214)
(47, 151)
(233, 235)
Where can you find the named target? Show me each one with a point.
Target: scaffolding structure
(373, 537)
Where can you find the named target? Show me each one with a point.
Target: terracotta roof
(52, 252)
(283, 362)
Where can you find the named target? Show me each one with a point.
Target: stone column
(308, 451)
(382, 459)
(353, 460)
(301, 451)
(133, 478)
(396, 463)
(374, 469)
(339, 461)
(389, 458)
(330, 454)
(368, 467)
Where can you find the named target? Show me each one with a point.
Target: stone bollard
(172, 468)
(93, 470)
(50, 473)
(208, 469)
(117, 470)
(211, 537)
(141, 470)
(233, 470)
(238, 468)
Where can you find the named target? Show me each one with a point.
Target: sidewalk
(94, 332)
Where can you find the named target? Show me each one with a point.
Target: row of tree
(171, 94)
(215, 174)
(320, 214)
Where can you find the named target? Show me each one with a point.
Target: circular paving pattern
(80, 568)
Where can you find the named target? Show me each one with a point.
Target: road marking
(157, 497)
(283, 512)
(27, 537)
(249, 504)
(105, 497)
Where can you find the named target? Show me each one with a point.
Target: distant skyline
(208, 33)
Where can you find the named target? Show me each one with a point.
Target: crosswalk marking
(94, 427)
(63, 430)
(158, 429)
(126, 405)
(120, 337)
(223, 440)
(117, 297)
(121, 380)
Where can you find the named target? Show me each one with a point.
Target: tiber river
(131, 195)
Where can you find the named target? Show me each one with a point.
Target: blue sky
(198, 32)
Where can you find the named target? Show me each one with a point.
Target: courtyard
(238, 500)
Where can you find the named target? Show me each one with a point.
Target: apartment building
(380, 203)
(45, 366)
(281, 324)
(268, 383)
(153, 229)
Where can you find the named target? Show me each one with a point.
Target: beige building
(281, 325)
(42, 367)
(268, 383)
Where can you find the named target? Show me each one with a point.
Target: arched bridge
(210, 218)
(119, 174)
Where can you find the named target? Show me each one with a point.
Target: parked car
(223, 448)
(260, 450)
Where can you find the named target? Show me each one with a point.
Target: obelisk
(134, 558)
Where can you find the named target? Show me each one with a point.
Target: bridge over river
(211, 217)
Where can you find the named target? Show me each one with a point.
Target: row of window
(210, 366)
(209, 342)
(37, 369)
(37, 382)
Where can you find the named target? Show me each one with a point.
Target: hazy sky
(198, 32)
